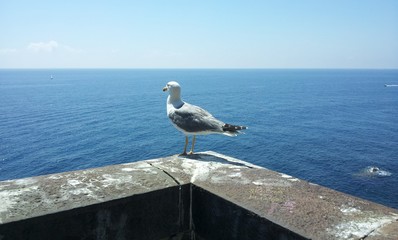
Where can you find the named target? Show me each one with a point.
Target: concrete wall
(153, 215)
(217, 218)
(204, 196)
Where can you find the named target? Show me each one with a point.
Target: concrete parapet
(203, 196)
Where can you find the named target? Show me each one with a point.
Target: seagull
(193, 120)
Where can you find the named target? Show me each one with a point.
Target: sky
(199, 34)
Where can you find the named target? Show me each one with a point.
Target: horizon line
(193, 68)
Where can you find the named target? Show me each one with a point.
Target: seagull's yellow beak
(165, 89)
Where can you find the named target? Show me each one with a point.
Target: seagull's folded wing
(194, 119)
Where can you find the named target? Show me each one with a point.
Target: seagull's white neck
(174, 98)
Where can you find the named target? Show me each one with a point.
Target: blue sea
(336, 128)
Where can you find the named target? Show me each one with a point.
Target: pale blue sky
(199, 34)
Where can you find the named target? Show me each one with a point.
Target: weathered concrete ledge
(204, 196)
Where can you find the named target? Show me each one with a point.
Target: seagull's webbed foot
(185, 147)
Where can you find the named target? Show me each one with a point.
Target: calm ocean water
(325, 126)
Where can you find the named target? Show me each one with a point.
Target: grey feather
(192, 118)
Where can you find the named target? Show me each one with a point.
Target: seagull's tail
(232, 130)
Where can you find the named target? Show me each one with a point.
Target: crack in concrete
(367, 235)
(167, 173)
(377, 228)
(180, 201)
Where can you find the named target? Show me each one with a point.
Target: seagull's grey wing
(192, 118)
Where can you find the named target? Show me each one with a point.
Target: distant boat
(51, 77)
(390, 85)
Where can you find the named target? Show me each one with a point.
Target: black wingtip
(232, 128)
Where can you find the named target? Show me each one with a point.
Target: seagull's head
(173, 88)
